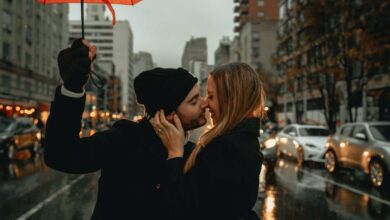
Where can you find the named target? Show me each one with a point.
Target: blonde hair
(240, 93)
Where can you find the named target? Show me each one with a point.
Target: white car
(304, 142)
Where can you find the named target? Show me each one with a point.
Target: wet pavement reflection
(28, 182)
(290, 191)
(286, 191)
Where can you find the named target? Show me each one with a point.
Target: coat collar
(150, 139)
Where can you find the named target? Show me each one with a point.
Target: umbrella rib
(108, 3)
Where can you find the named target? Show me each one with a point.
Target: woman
(220, 178)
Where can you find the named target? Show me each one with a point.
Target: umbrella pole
(82, 19)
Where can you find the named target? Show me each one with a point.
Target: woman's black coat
(223, 184)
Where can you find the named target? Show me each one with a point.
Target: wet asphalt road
(309, 192)
(30, 190)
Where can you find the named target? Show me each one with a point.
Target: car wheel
(377, 173)
(300, 156)
(11, 151)
(330, 161)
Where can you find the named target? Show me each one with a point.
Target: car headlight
(270, 143)
(296, 144)
(38, 135)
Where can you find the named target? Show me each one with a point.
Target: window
(301, 83)
(291, 129)
(314, 132)
(7, 22)
(289, 46)
(289, 4)
(289, 107)
(5, 82)
(6, 52)
(301, 40)
(315, 104)
(28, 35)
(359, 129)
(105, 48)
(28, 61)
(29, 8)
(287, 130)
(255, 52)
(106, 34)
(357, 70)
(260, 3)
(346, 131)
(260, 14)
(282, 11)
(27, 86)
(301, 17)
(381, 132)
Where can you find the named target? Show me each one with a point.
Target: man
(130, 155)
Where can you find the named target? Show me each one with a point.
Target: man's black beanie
(163, 88)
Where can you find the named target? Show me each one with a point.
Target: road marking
(39, 206)
(348, 188)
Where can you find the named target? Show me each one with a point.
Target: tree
(355, 40)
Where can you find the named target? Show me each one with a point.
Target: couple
(148, 171)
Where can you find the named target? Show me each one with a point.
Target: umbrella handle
(82, 19)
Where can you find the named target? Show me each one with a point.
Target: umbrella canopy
(107, 2)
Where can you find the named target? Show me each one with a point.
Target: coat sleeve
(64, 149)
(215, 179)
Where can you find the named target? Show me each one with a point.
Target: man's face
(191, 111)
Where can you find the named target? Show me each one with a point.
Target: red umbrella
(107, 2)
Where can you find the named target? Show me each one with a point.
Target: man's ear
(170, 117)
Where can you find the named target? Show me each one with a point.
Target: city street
(30, 190)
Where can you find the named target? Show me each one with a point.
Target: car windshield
(4, 124)
(314, 132)
(381, 132)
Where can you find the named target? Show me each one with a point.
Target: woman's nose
(205, 102)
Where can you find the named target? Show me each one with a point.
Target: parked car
(304, 142)
(365, 146)
(18, 134)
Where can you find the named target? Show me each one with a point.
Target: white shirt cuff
(71, 94)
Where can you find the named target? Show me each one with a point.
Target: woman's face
(212, 100)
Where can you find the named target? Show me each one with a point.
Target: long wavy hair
(240, 94)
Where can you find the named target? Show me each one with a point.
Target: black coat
(223, 184)
(130, 157)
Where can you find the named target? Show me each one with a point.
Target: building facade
(142, 61)
(31, 37)
(194, 50)
(314, 82)
(222, 53)
(256, 26)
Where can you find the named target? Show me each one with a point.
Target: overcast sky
(163, 27)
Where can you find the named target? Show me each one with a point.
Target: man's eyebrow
(194, 97)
